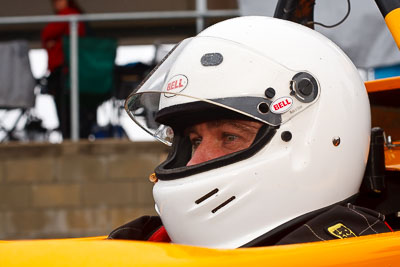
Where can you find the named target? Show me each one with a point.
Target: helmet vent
(211, 59)
(223, 204)
(208, 195)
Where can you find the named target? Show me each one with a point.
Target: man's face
(215, 139)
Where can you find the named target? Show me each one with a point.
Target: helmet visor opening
(207, 74)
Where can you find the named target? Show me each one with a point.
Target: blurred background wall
(74, 189)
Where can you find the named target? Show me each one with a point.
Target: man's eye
(230, 138)
(195, 142)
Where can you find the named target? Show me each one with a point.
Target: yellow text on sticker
(341, 231)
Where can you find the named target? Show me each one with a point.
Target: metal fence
(200, 14)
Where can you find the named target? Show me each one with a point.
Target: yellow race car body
(373, 250)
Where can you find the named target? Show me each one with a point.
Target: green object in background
(96, 60)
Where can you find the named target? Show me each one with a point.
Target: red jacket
(52, 36)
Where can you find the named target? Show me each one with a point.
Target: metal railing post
(73, 27)
(201, 9)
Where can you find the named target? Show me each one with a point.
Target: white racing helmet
(309, 154)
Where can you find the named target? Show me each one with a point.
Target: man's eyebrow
(236, 124)
(239, 125)
(189, 130)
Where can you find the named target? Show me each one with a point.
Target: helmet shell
(322, 164)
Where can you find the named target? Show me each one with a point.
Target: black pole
(386, 6)
(299, 11)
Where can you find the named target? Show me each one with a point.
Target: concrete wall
(74, 189)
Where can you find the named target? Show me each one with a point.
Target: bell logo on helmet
(176, 85)
(281, 105)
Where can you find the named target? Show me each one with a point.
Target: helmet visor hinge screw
(269, 92)
(286, 136)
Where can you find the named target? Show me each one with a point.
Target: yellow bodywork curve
(380, 85)
(373, 250)
(392, 20)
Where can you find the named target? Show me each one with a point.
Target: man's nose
(204, 152)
